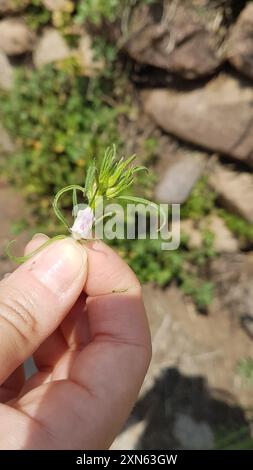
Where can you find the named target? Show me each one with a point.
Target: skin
(79, 311)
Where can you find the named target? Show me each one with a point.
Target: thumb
(36, 297)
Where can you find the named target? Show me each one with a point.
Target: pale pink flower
(83, 224)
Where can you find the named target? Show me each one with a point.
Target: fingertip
(37, 240)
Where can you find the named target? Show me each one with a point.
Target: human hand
(79, 311)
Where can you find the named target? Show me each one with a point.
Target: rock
(224, 241)
(15, 37)
(9, 6)
(240, 42)
(193, 434)
(85, 54)
(234, 189)
(50, 48)
(54, 5)
(174, 37)
(194, 236)
(218, 116)
(5, 6)
(6, 143)
(180, 178)
(6, 72)
(233, 274)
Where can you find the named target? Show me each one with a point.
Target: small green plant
(242, 229)
(97, 10)
(104, 181)
(201, 201)
(239, 439)
(245, 370)
(36, 15)
(151, 264)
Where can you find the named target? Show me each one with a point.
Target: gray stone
(218, 116)
(180, 178)
(234, 189)
(240, 42)
(175, 38)
(6, 72)
(15, 37)
(50, 48)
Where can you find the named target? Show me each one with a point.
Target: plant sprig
(107, 180)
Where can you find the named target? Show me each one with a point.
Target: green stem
(22, 259)
(58, 213)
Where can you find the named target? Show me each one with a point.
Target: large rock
(180, 178)
(6, 72)
(224, 241)
(9, 6)
(50, 48)
(240, 43)
(54, 5)
(174, 37)
(85, 55)
(218, 116)
(234, 189)
(233, 276)
(15, 37)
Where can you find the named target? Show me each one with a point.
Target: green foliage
(78, 12)
(234, 440)
(242, 229)
(151, 264)
(97, 10)
(245, 370)
(62, 121)
(201, 201)
(201, 292)
(36, 15)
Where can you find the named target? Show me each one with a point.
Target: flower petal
(83, 224)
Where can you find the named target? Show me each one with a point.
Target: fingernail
(40, 235)
(59, 265)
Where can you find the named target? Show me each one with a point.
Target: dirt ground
(192, 397)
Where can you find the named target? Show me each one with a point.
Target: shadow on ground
(180, 412)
